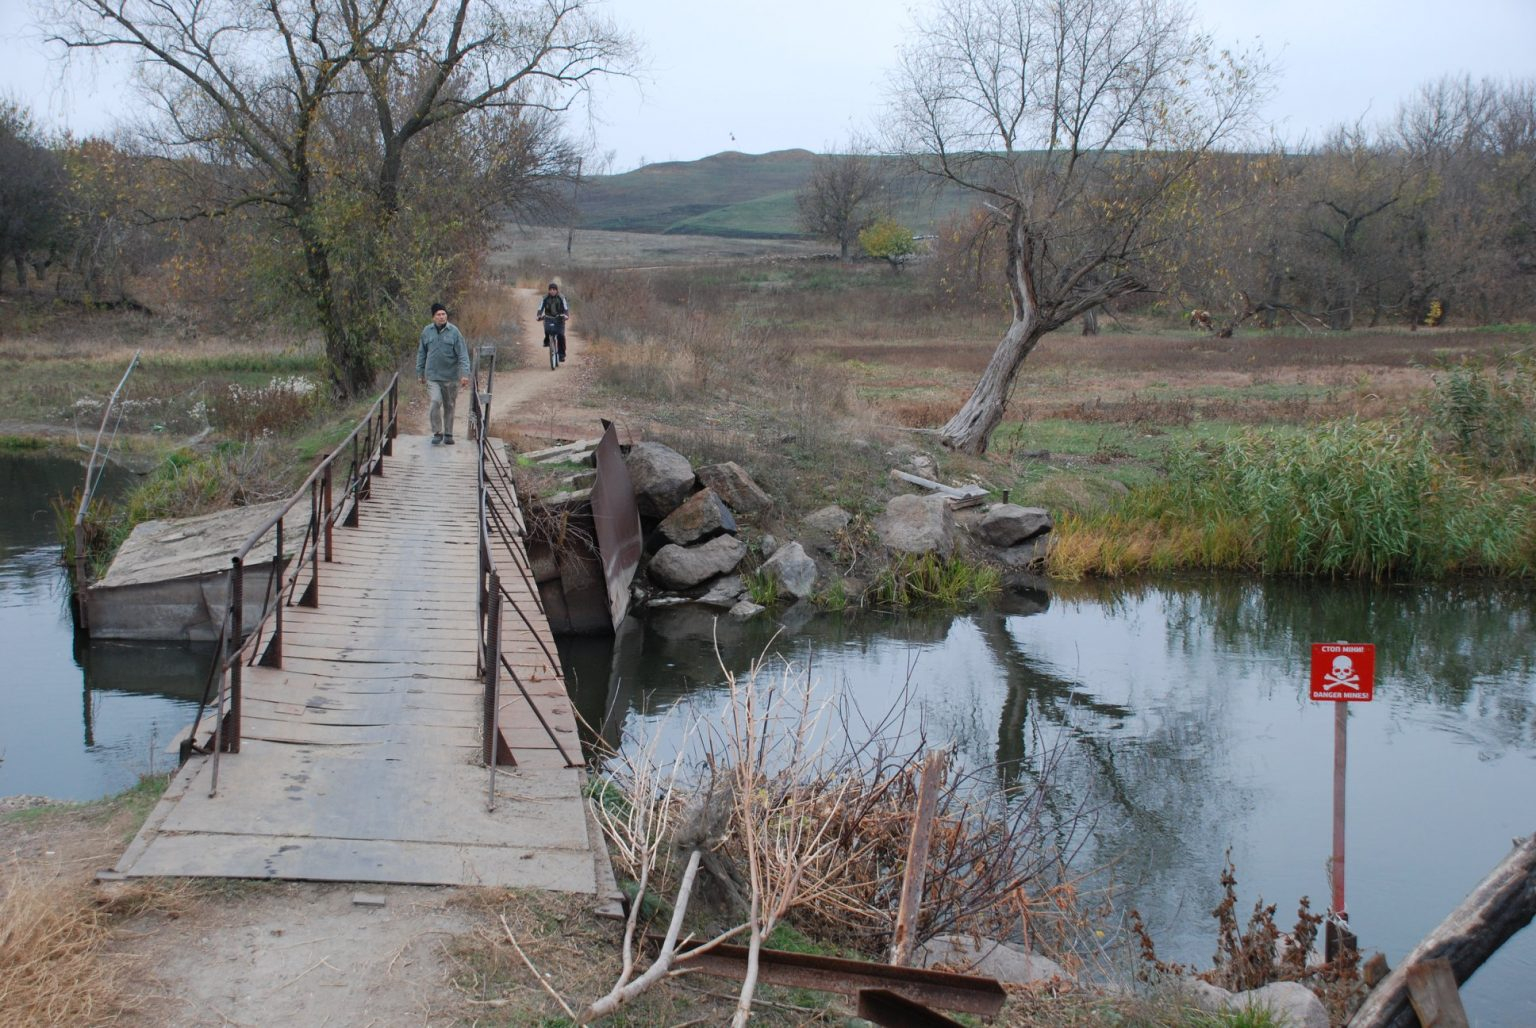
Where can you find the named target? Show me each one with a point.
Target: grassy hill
(732, 194)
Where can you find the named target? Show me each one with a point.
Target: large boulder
(1008, 524)
(746, 610)
(917, 524)
(662, 477)
(1026, 554)
(724, 592)
(702, 516)
(1293, 1004)
(830, 520)
(733, 485)
(792, 570)
(1001, 960)
(683, 567)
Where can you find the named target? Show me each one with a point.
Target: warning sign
(1343, 671)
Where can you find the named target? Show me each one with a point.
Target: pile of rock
(1289, 1003)
(695, 541)
(1006, 533)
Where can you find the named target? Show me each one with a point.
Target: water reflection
(1178, 712)
(78, 720)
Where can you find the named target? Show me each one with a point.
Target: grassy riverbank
(1375, 453)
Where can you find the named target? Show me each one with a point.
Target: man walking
(442, 353)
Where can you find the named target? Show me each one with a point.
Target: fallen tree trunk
(1500, 906)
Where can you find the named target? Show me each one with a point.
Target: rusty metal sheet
(883, 1007)
(968, 994)
(617, 521)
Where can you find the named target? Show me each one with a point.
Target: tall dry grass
(724, 380)
(54, 964)
(1350, 499)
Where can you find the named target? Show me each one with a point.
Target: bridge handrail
(492, 597)
(369, 442)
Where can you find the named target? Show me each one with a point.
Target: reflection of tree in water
(1152, 784)
(1467, 645)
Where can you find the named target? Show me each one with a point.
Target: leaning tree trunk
(1502, 904)
(971, 428)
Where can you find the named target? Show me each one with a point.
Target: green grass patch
(22, 444)
(1351, 499)
(137, 801)
(929, 580)
(762, 588)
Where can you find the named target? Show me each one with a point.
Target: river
(1180, 709)
(78, 720)
(1182, 712)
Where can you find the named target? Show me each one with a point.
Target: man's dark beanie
(439, 307)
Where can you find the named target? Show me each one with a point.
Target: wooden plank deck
(361, 756)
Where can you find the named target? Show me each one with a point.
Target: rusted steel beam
(884, 1007)
(968, 994)
(617, 522)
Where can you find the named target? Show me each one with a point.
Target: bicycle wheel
(554, 351)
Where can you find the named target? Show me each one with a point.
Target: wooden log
(916, 873)
(1432, 991)
(954, 492)
(1501, 905)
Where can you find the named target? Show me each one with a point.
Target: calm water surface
(1181, 708)
(1183, 712)
(77, 721)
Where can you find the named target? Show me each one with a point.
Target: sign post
(1342, 673)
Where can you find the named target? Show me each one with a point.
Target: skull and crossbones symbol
(1343, 675)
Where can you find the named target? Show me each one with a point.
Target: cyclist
(554, 307)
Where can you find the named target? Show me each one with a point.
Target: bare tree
(1077, 122)
(315, 110)
(842, 197)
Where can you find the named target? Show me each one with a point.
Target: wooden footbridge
(389, 707)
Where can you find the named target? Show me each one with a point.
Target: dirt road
(528, 399)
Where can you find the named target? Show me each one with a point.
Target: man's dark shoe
(447, 440)
(437, 438)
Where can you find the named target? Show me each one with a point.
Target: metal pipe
(237, 640)
(274, 654)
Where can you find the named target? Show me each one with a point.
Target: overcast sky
(808, 73)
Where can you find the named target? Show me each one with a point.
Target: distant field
(541, 251)
(737, 195)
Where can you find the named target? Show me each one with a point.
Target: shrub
(910, 580)
(1349, 499)
(280, 406)
(1489, 416)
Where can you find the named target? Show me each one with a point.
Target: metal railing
(362, 455)
(500, 519)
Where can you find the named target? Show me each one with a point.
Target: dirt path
(528, 399)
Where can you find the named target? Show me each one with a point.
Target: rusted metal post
(1336, 936)
(81, 608)
(311, 597)
(274, 655)
(236, 640)
(394, 419)
(916, 873)
(377, 441)
(330, 553)
(492, 717)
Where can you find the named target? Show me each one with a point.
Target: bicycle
(552, 328)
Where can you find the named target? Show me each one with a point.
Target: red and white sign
(1343, 671)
